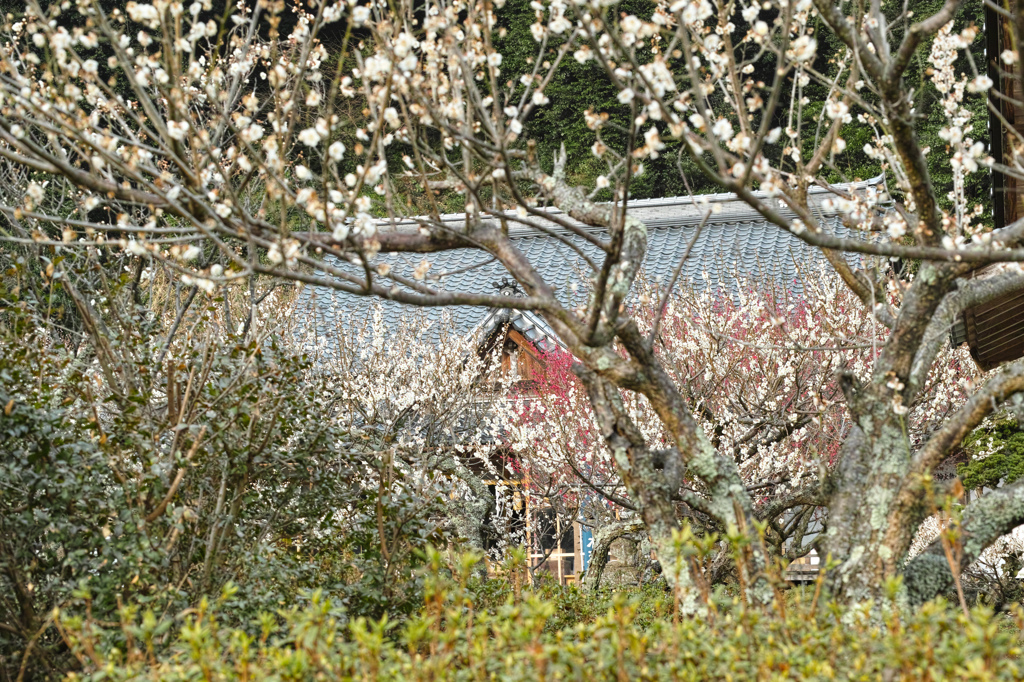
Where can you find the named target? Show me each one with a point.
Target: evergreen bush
(460, 634)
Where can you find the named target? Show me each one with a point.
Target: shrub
(996, 453)
(143, 467)
(624, 636)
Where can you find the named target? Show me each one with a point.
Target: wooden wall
(995, 331)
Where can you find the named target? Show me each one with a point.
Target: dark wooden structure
(1006, 126)
(523, 338)
(995, 331)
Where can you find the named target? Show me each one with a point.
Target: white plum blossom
(136, 247)
(980, 84)
(722, 129)
(896, 227)
(202, 283)
(336, 151)
(659, 77)
(360, 15)
(176, 130)
(837, 109)
(804, 48)
(309, 137)
(143, 14)
(340, 231)
(652, 142)
(252, 133)
(286, 252)
(35, 191)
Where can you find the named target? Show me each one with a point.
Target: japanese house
(734, 244)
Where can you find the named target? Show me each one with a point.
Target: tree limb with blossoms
(428, 408)
(236, 144)
(762, 373)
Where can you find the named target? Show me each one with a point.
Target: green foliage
(996, 451)
(456, 637)
(131, 477)
(927, 105)
(575, 88)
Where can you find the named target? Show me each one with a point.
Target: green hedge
(465, 633)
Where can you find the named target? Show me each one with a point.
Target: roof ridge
(739, 212)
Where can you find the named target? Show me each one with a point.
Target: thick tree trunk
(469, 514)
(603, 541)
(728, 501)
(868, 531)
(652, 479)
(876, 504)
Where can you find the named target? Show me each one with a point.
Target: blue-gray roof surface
(735, 244)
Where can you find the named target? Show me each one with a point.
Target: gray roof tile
(735, 244)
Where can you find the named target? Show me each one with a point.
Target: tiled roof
(529, 324)
(735, 244)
